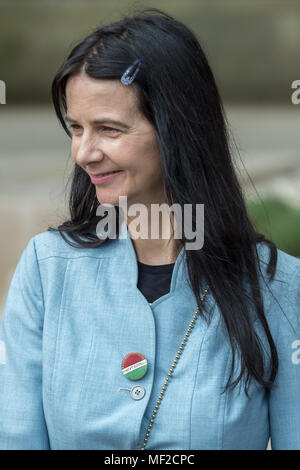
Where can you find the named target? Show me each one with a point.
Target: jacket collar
(121, 248)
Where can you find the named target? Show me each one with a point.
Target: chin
(113, 200)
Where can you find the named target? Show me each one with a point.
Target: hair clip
(126, 79)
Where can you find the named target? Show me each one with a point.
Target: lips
(104, 174)
(103, 177)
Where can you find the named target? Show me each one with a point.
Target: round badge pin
(134, 365)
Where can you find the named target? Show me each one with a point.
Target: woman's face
(129, 146)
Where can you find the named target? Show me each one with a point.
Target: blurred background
(253, 49)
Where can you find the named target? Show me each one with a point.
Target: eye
(74, 127)
(109, 129)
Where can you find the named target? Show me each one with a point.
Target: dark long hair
(177, 93)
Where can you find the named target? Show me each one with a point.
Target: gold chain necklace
(191, 326)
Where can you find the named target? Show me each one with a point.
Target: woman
(117, 342)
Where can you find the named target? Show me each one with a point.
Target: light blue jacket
(70, 317)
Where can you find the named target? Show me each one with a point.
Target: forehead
(90, 95)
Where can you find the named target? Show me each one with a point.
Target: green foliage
(278, 221)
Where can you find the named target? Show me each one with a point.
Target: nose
(87, 151)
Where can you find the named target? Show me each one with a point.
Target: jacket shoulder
(51, 244)
(282, 294)
(287, 266)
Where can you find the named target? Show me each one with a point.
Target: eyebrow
(101, 121)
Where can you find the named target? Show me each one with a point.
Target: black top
(154, 281)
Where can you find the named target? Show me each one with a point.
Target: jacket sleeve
(284, 398)
(22, 422)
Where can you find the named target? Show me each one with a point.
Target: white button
(137, 392)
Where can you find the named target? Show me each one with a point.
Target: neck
(156, 252)
(163, 249)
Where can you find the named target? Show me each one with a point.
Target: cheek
(147, 158)
(74, 148)
(152, 163)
